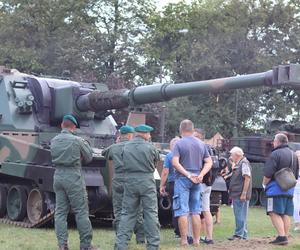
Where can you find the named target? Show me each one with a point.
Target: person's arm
(86, 151)
(246, 172)
(179, 167)
(269, 170)
(163, 181)
(247, 180)
(207, 166)
(266, 180)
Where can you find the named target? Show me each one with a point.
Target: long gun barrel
(288, 75)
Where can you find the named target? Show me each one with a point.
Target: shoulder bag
(285, 177)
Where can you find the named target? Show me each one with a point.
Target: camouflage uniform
(67, 150)
(114, 153)
(139, 157)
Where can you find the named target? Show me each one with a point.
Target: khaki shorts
(205, 193)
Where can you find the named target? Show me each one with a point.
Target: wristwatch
(189, 176)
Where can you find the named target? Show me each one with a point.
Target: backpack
(212, 174)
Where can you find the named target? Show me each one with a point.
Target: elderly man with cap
(240, 189)
(139, 158)
(114, 156)
(67, 151)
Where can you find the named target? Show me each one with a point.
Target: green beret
(126, 129)
(71, 118)
(143, 128)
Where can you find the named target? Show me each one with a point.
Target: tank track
(26, 223)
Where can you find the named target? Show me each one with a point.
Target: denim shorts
(187, 197)
(280, 205)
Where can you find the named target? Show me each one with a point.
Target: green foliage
(87, 37)
(225, 38)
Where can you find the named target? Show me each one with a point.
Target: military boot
(63, 247)
(89, 248)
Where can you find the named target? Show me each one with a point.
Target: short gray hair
(237, 151)
(186, 126)
(281, 138)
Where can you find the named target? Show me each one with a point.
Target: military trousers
(70, 193)
(139, 190)
(117, 199)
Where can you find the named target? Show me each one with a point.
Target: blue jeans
(187, 197)
(240, 210)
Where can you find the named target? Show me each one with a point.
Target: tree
(119, 27)
(44, 36)
(224, 38)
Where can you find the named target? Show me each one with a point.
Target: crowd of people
(186, 177)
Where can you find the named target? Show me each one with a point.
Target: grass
(44, 239)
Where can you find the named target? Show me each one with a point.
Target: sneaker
(89, 248)
(202, 239)
(280, 240)
(63, 247)
(176, 236)
(190, 240)
(208, 242)
(234, 237)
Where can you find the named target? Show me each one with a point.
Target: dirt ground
(261, 243)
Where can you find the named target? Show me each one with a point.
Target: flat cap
(143, 128)
(126, 129)
(71, 118)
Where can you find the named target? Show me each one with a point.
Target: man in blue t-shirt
(280, 203)
(168, 176)
(191, 161)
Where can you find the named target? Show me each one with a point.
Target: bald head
(186, 127)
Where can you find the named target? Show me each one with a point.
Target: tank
(258, 148)
(31, 109)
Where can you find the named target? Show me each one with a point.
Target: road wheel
(16, 203)
(36, 206)
(3, 197)
(254, 197)
(262, 198)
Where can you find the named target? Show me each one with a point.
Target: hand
(200, 178)
(162, 191)
(194, 179)
(243, 197)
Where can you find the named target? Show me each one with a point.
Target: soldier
(139, 158)
(114, 155)
(67, 151)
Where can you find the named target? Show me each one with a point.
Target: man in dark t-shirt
(280, 203)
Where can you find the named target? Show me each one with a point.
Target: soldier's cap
(72, 119)
(143, 128)
(126, 129)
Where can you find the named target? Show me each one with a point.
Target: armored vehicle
(31, 109)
